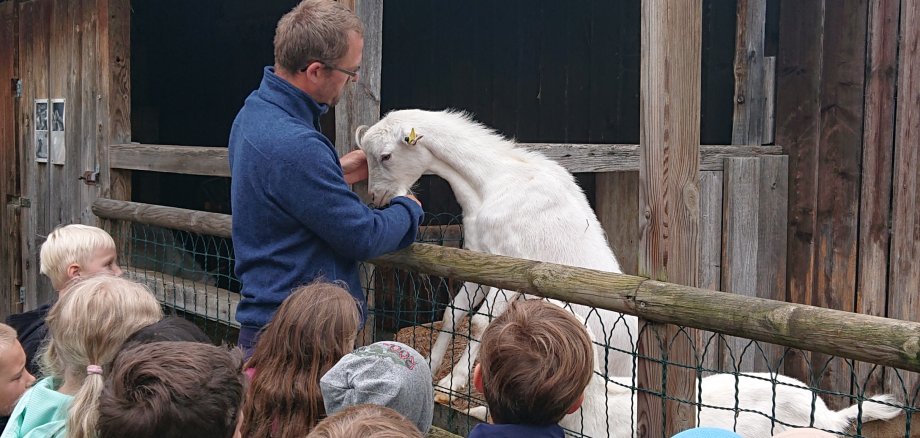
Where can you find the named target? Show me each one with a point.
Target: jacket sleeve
(315, 193)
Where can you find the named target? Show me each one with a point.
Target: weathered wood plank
(877, 164)
(669, 199)
(187, 160)
(710, 346)
(29, 270)
(801, 35)
(904, 283)
(750, 100)
(769, 91)
(838, 167)
(219, 225)
(741, 198)
(10, 277)
(89, 147)
(773, 195)
(576, 158)
(617, 207)
(867, 338)
(113, 109)
(199, 299)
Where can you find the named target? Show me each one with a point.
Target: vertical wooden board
(36, 17)
(617, 206)
(64, 191)
(9, 165)
(747, 127)
(88, 90)
(710, 346)
(669, 202)
(773, 189)
(875, 196)
(801, 38)
(25, 147)
(904, 283)
(769, 91)
(740, 224)
(839, 157)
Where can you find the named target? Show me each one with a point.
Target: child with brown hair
(535, 362)
(69, 253)
(366, 420)
(314, 327)
(88, 326)
(14, 377)
(172, 389)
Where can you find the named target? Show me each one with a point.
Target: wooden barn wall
(59, 50)
(847, 115)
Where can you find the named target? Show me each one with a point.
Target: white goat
(515, 202)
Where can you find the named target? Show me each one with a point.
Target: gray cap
(388, 374)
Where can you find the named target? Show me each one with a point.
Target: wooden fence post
(669, 202)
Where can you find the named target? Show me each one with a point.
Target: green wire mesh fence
(192, 275)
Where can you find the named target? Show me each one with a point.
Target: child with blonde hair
(69, 253)
(366, 420)
(88, 326)
(14, 377)
(314, 327)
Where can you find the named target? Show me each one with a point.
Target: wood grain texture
(750, 99)
(904, 283)
(710, 347)
(801, 39)
(617, 207)
(877, 169)
(10, 239)
(576, 158)
(669, 196)
(867, 338)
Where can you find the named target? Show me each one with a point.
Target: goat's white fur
(515, 203)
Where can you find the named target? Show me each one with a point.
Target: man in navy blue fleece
(294, 217)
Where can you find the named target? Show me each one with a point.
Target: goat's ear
(359, 134)
(413, 138)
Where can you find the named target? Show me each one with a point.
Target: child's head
(312, 329)
(535, 362)
(14, 378)
(88, 326)
(76, 251)
(171, 389)
(365, 421)
(386, 373)
(171, 328)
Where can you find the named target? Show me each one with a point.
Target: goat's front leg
(469, 296)
(459, 378)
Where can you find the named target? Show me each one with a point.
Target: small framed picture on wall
(42, 139)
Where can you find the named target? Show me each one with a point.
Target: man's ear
(576, 405)
(477, 379)
(73, 271)
(312, 72)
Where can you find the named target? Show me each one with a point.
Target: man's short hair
(536, 360)
(174, 389)
(315, 30)
(365, 421)
(74, 243)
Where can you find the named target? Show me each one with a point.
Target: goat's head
(396, 155)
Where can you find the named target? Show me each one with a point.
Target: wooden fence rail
(855, 336)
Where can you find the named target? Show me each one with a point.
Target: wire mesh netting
(755, 388)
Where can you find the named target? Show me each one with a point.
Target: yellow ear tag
(412, 139)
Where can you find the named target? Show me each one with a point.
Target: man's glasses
(352, 74)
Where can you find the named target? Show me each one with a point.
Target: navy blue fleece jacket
(294, 217)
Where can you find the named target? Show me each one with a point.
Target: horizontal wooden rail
(213, 161)
(199, 299)
(217, 224)
(855, 336)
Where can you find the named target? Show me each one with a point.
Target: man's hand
(354, 164)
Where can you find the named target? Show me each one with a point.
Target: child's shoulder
(485, 430)
(40, 412)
